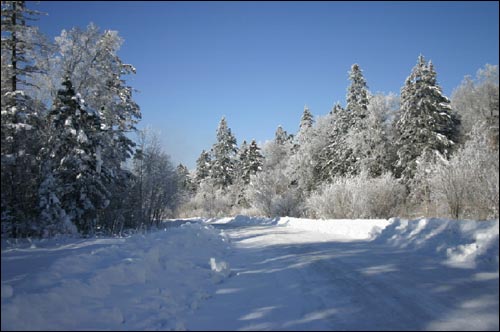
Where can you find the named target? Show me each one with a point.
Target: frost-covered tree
(252, 162)
(271, 193)
(277, 151)
(357, 93)
(224, 155)
(90, 57)
(336, 108)
(464, 187)
(426, 124)
(73, 158)
(359, 196)
(302, 162)
(357, 120)
(370, 140)
(281, 137)
(184, 182)
(21, 119)
(242, 161)
(306, 121)
(203, 166)
(156, 182)
(336, 158)
(477, 100)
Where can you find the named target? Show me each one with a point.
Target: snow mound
(354, 229)
(462, 243)
(241, 220)
(143, 282)
(220, 270)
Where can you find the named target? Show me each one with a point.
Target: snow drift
(141, 282)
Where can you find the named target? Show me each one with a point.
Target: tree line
(416, 154)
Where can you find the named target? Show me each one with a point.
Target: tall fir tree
(307, 120)
(357, 93)
(306, 124)
(242, 160)
(21, 125)
(224, 155)
(281, 136)
(336, 158)
(75, 160)
(427, 127)
(203, 166)
(90, 57)
(184, 181)
(252, 162)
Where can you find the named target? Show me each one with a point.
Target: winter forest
(73, 161)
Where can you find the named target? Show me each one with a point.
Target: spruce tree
(281, 136)
(74, 159)
(357, 93)
(426, 127)
(242, 161)
(203, 166)
(21, 125)
(224, 154)
(184, 182)
(306, 121)
(252, 162)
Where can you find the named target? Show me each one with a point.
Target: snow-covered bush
(332, 200)
(272, 194)
(357, 197)
(209, 201)
(468, 182)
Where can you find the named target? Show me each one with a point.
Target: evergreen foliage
(426, 126)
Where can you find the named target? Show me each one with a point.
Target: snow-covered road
(292, 279)
(259, 274)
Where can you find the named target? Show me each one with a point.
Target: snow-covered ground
(248, 273)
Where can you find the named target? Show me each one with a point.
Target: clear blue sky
(258, 63)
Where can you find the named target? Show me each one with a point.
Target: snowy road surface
(260, 274)
(291, 279)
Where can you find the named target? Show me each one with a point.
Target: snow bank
(462, 243)
(144, 282)
(353, 229)
(240, 220)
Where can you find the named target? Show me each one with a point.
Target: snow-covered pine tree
(426, 127)
(74, 160)
(281, 136)
(306, 123)
(253, 161)
(336, 108)
(307, 120)
(370, 139)
(242, 161)
(98, 74)
(224, 155)
(357, 93)
(278, 151)
(336, 158)
(203, 166)
(357, 111)
(184, 182)
(21, 119)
